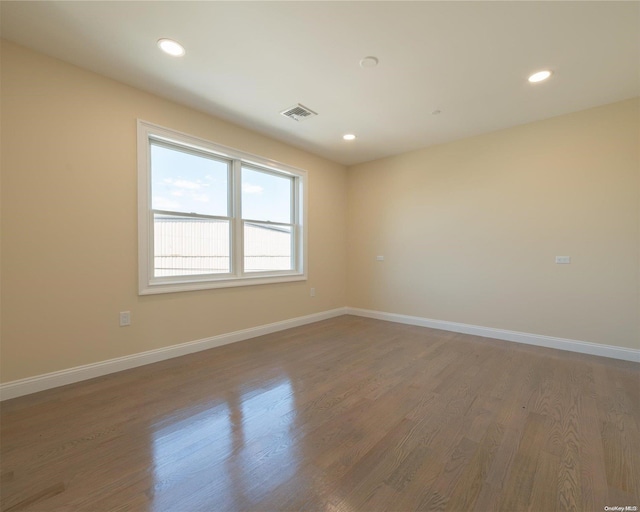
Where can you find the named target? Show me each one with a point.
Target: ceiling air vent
(298, 112)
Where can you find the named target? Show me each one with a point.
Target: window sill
(171, 286)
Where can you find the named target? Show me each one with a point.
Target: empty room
(337, 256)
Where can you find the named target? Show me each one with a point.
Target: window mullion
(237, 248)
(294, 221)
(151, 240)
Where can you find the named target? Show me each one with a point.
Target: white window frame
(149, 284)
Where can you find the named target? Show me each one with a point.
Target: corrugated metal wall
(188, 246)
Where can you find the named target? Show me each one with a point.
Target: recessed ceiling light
(369, 62)
(349, 136)
(171, 47)
(539, 76)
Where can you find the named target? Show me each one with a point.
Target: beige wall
(470, 229)
(69, 238)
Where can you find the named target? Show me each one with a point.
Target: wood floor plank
(570, 411)
(594, 487)
(519, 486)
(544, 488)
(350, 414)
(468, 486)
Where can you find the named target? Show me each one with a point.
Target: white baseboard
(583, 347)
(30, 385)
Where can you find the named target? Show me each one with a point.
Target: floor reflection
(227, 456)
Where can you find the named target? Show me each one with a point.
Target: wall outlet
(312, 292)
(563, 259)
(380, 258)
(125, 318)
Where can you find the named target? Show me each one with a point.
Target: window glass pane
(188, 183)
(266, 247)
(266, 196)
(190, 246)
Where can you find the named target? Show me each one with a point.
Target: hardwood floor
(349, 414)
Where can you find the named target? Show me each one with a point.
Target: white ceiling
(247, 61)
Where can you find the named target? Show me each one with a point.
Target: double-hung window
(211, 216)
